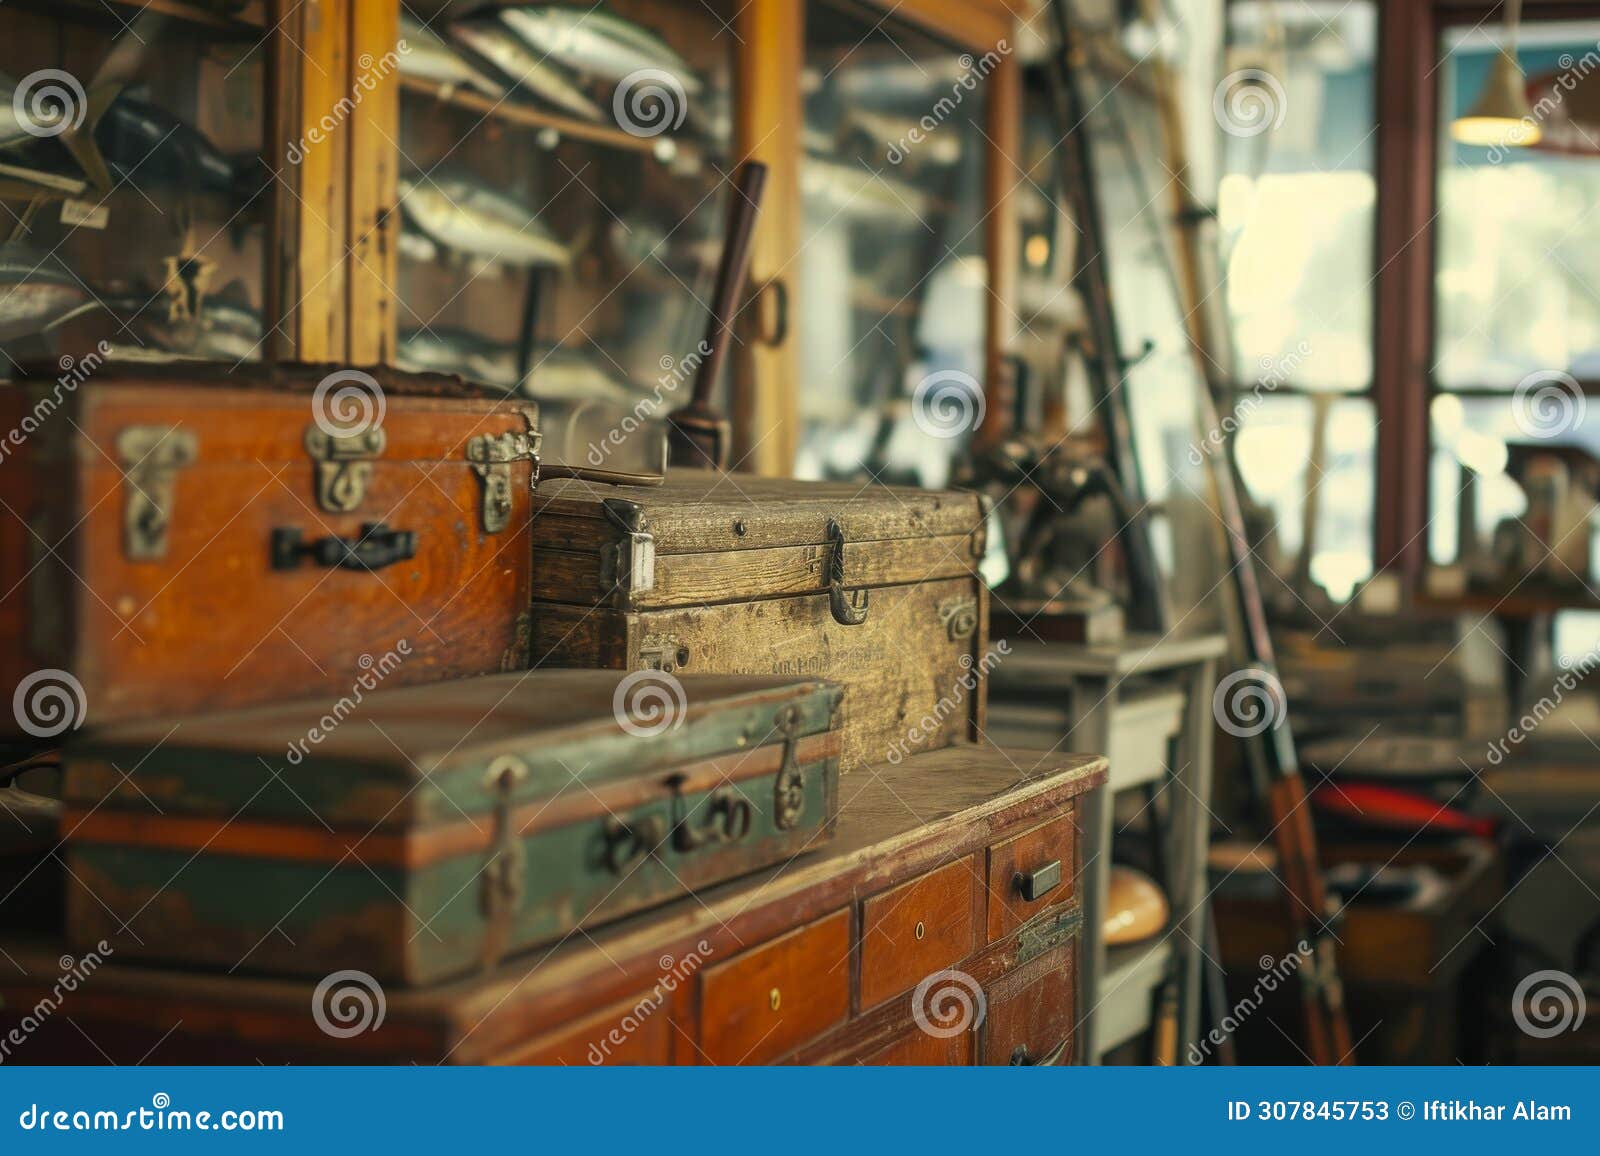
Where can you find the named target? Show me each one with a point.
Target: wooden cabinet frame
(336, 277)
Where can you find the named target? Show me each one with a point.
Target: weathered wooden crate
(874, 587)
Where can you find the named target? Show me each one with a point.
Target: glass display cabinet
(560, 183)
(531, 195)
(893, 268)
(138, 206)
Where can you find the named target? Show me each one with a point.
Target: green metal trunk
(419, 833)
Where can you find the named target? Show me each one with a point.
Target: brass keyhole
(920, 930)
(774, 998)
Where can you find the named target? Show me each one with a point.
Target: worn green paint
(313, 917)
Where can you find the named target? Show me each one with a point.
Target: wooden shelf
(1529, 600)
(530, 117)
(197, 15)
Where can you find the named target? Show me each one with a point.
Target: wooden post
(306, 280)
(767, 63)
(374, 151)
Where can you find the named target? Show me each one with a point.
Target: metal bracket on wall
(151, 458)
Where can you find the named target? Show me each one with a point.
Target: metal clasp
(503, 874)
(628, 567)
(789, 788)
(849, 607)
(151, 457)
(344, 465)
(492, 457)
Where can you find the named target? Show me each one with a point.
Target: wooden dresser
(939, 927)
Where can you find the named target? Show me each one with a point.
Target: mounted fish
(37, 291)
(50, 105)
(428, 56)
(526, 71)
(861, 194)
(443, 349)
(146, 144)
(598, 43)
(555, 372)
(29, 119)
(891, 134)
(473, 220)
(562, 373)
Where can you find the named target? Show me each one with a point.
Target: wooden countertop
(894, 824)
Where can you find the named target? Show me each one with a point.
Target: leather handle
(377, 547)
(1034, 885)
(779, 333)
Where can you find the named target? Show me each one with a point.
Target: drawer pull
(1037, 883)
(1020, 1058)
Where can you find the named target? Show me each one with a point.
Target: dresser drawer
(1041, 863)
(916, 929)
(636, 1031)
(1031, 1012)
(917, 1049)
(773, 998)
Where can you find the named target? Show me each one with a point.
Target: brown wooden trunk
(150, 520)
(738, 575)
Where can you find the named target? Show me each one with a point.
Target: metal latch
(959, 616)
(662, 652)
(344, 465)
(628, 566)
(789, 788)
(151, 457)
(849, 607)
(503, 874)
(492, 457)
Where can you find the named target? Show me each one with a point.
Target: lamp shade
(1501, 116)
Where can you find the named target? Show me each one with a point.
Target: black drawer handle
(1040, 882)
(377, 547)
(1021, 1059)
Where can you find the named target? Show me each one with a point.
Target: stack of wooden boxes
(365, 701)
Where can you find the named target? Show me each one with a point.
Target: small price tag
(83, 214)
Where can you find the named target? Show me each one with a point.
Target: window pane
(1275, 447)
(1297, 197)
(1517, 243)
(1482, 434)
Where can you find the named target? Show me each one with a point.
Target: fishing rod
(1271, 750)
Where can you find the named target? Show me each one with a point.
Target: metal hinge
(627, 566)
(151, 457)
(344, 465)
(503, 874)
(492, 457)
